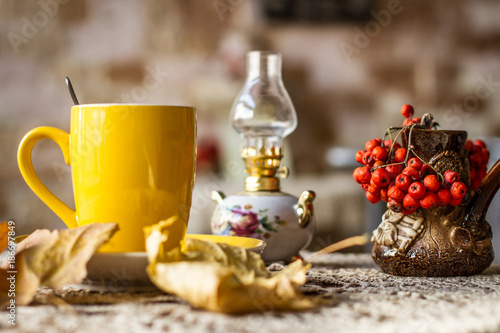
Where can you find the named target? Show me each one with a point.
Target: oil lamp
(264, 115)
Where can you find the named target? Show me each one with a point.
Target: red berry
(468, 145)
(485, 156)
(375, 190)
(475, 184)
(455, 201)
(413, 173)
(458, 190)
(479, 143)
(403, 181)
(362, 175)
(410, 202)
(431, 183)
(365, 187)
(359, 156)
(396, 206)
(367, 158)
(381, 177)
(481, 172)
(444, 196)
(451, 176)
(407, 111)
(415, 163)
(391, 144)
(417, 190)
(475, 159)
(395, 193)
(355, 175)
(426, 170)
(400, 155)
(383, 194)
(475, 149)
(379, 154)
(429, 200)
(472, 173)
(394, 170)
(372, 198)
(369, 145)
(378, 164)
(410, 121)
(408, 212)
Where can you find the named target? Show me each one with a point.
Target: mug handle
(60, 137)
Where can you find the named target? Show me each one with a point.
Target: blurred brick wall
(347, 80)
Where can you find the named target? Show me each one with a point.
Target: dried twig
(348, 242)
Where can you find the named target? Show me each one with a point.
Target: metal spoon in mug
(71, 91)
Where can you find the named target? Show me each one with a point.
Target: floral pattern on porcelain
(243, 221)
(271, 217)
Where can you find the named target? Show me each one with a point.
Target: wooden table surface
(360, 299)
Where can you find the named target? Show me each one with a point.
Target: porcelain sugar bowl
(284, 222)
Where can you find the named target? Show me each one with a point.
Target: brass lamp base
(262, 167)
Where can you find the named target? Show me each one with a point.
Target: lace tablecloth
(360, 299)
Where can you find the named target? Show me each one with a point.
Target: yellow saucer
(118, 271)
(251, 244)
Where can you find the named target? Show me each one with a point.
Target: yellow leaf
(220, 277)
(156, 235)
(20, 286)
(53, 258)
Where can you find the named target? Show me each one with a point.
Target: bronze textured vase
(441, 241)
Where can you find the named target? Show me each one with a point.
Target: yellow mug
(131, 164)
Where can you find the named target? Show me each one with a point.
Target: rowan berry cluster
(396, 175)
(479, 156)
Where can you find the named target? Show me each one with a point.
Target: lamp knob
(284, 172)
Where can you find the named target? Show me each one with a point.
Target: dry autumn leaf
(234, 280)
(53, 258)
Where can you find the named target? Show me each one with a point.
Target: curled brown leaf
(223, 278)
(52, 258)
